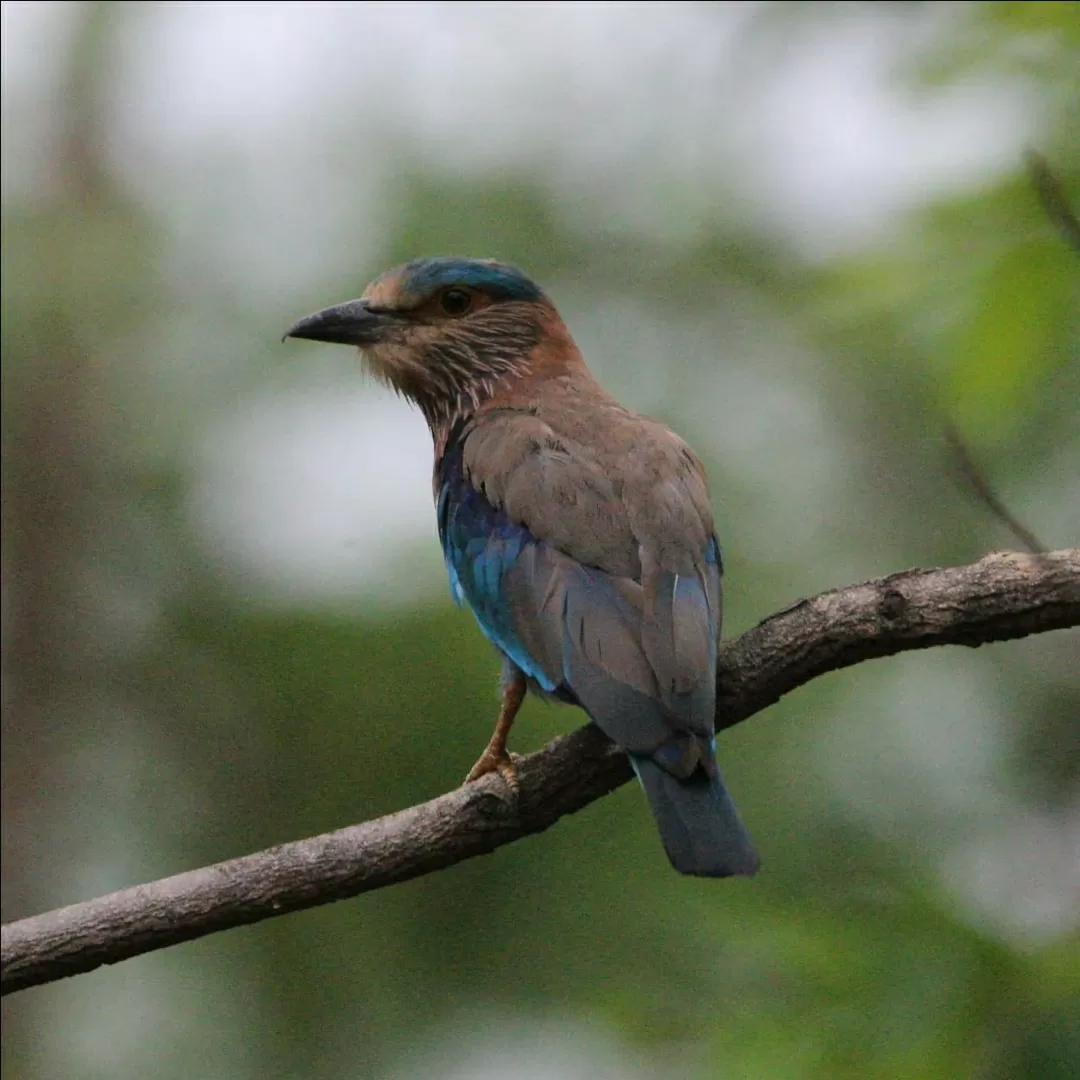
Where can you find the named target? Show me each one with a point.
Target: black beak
(352, 323)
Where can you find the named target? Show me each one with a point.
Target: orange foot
(496, 758)
(491, 761)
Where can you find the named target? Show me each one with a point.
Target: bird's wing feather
(575, 630)
(544, 545)
(554, 485)
(626, 496)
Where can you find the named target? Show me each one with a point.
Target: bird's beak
(352, 323)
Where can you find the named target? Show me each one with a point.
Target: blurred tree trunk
(55, 450)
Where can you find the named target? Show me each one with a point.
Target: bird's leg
(496, 758)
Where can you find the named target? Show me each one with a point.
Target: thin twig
(1054, 200)
(980, 486)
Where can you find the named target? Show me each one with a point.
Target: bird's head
(446, 332)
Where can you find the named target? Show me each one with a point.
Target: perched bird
(579, 533)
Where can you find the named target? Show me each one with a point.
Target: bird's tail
(698, 822)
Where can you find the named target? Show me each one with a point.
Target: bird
(580, 533)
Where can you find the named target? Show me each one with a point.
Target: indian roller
(578, 532)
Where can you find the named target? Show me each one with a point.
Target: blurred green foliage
(161, 714)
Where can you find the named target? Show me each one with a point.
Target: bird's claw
(505, 764)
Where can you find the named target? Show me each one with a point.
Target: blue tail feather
(697, 821)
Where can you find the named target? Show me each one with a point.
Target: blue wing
(481, 545)
(575, 630)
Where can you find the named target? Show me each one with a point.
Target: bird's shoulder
(589, 476)
(544, 471)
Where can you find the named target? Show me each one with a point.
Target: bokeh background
(804, 236)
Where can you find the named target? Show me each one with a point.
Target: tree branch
(1002, 596)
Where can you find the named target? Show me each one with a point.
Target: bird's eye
(456, 301)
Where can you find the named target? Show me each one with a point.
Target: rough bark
(1001, 596)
